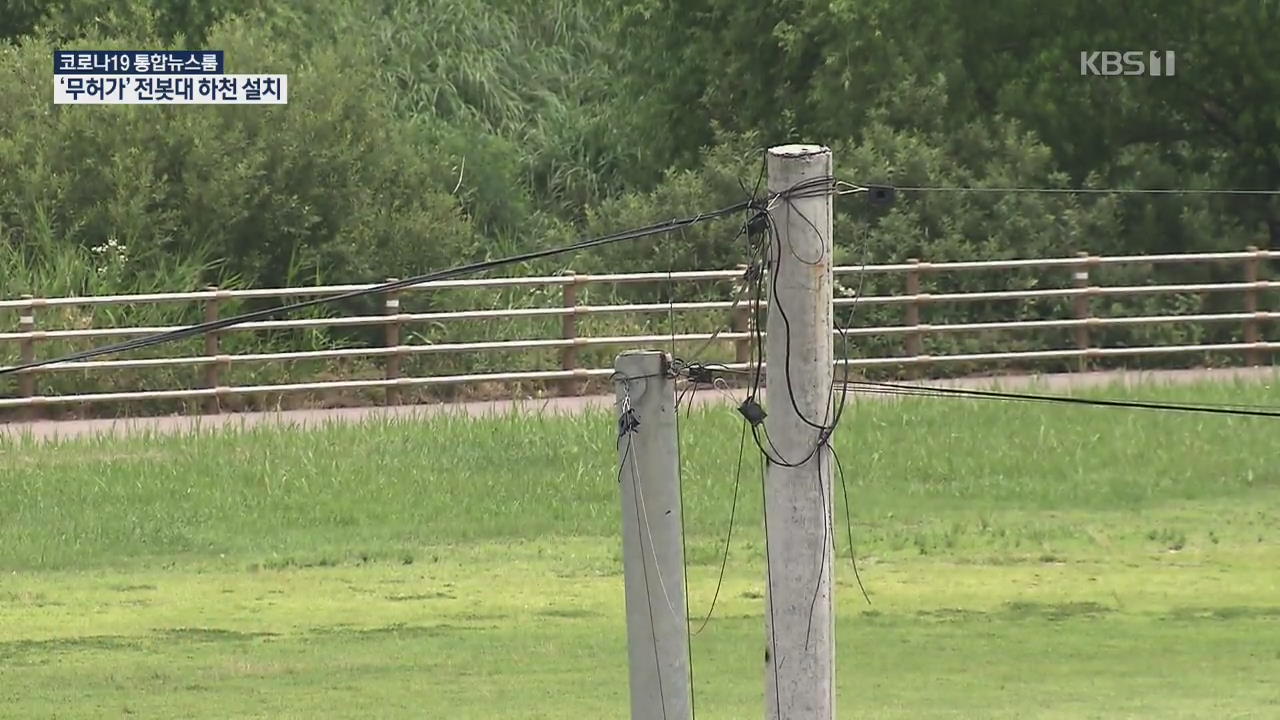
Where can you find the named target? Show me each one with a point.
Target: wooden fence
(213, 362)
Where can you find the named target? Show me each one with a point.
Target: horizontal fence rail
(737, 332)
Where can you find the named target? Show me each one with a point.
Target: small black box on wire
(752, 411)
(881, 195)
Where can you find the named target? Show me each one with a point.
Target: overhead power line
(1087, 191)
(909, 390)
(448, 273)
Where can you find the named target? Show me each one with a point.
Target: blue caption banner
(170, 90)
(137, 62)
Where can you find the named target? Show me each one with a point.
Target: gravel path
(303, 418)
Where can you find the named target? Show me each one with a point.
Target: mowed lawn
(1023, 561)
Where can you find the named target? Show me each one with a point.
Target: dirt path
(301, 418)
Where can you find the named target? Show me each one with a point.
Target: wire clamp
(628, 421)
(752, 411)
(757, 224)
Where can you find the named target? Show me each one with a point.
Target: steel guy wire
(642, 507)
(684, 564)
(647, 593)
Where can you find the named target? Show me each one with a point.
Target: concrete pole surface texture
(800, 622)
(652, 538)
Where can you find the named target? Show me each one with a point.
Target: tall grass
(922, 474)
(45, 267)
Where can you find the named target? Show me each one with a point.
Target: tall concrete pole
(652, 538)
(800, 630)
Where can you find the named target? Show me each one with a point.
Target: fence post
(212, 371)
(1081, 308)
(391, 308)
(740, 321)
(1252, 333)
(915, 338)
(27, 354)
(652, 538)
(569, 331)
(800, 620)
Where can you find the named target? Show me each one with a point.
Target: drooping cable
(906, 389)
(728, 538)
(383, 288)
(1088, 191)
(848, 525)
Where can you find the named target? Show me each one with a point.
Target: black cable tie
(824, 435)
(628, 422)
(699, 374)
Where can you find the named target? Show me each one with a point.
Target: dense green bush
(262, 192)
(425, 133)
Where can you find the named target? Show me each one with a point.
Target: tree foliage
(424, 132)
(842, 68)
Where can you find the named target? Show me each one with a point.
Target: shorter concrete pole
(652, 540)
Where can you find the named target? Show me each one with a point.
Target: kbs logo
(1154, 63)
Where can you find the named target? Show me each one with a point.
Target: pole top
(799, 150)
(641, 362)
(658, 357)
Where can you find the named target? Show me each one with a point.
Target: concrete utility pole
(800, 662)
(652, 539)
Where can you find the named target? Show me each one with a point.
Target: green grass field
(1022, 560)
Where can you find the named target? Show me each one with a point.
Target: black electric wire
(823, 185)
(848, 524)
(728, 538)
(768, 574)
(892, 389)
(691, 362)
(824, 426)
(822, 553)
(889, 388)
(1089, 191)
(482, 266)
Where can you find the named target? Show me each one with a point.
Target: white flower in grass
(112, 253)
(844, 290)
